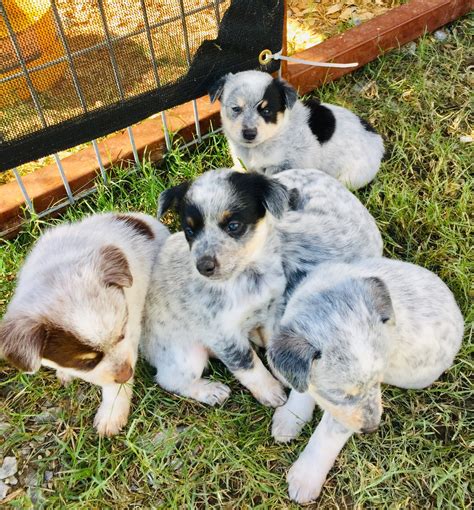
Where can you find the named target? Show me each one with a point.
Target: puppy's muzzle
(207, 265)
(249, 134)
(123, 374)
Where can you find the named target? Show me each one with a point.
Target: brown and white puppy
(78, 306)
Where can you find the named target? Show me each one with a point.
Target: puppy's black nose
(249, 134)
(207, 265)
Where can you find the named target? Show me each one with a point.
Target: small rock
(9, 467)
(466, 139)
(411, 48)
(3, 490)
(25, 451)
(36, 496)
(49, 416)
(11, 480)
(31, 478)
(48, 476)
(134, 488)
(176, 464)
(4, 426)
(158, 438)
(440, 35)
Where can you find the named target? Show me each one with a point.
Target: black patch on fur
(292, 281)
(295, 202)
(273, 103)
(287, 92)
(140, 226)
(191, 217)
(257, 193)
(321, 120)
(172, 198)
(367, 126)
(216, 89)
(292, 356)
(236, 357)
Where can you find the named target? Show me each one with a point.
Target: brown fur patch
(226, 215)
(116, 270)
(21, 342)
(68, 350)
(140, 226)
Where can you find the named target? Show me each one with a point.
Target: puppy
(223, 278)
(347, 329)
(269, 130)
(78, 306)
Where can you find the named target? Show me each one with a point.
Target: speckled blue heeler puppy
(270, 130)
(246, 239)
(346, 329)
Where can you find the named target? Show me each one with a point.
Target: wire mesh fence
(74, 71)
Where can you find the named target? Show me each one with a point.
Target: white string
(279, 56)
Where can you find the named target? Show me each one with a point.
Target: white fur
(346, 329)
(61, 283)
(352, 154)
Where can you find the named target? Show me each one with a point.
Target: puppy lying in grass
(78, 306)
(247, 240)
(270, 130)
(347, 329)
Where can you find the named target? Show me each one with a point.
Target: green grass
(176, 453)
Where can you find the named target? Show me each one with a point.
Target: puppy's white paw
(109, 420)
(270, 394)
(304, 482)
(286, 426)
(211, 393)
(63, 377)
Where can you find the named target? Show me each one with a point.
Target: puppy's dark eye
(234, 227)
(236, 109)
(265, 112)
(189, 231)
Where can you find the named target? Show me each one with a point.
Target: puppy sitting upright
(347, 329)
(269, 130)
(248, 239)
(78, 306)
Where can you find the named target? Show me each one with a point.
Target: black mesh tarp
(97, 66)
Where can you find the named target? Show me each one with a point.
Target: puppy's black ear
(288, 93)
(292, 356)
(216, 89)
(380, 298)
(114, 267)
(276, 197)
(172, 198)
(22, 340)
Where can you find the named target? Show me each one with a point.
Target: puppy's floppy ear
(288, 93)
(380, 298)
(216, 89)
(292, 356)
(276, 197)
(22, 340)
(114, 267)
(172, 198)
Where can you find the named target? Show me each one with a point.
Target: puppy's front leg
(113, 412)
(244, 363)
(288, 420)
(308, 474)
